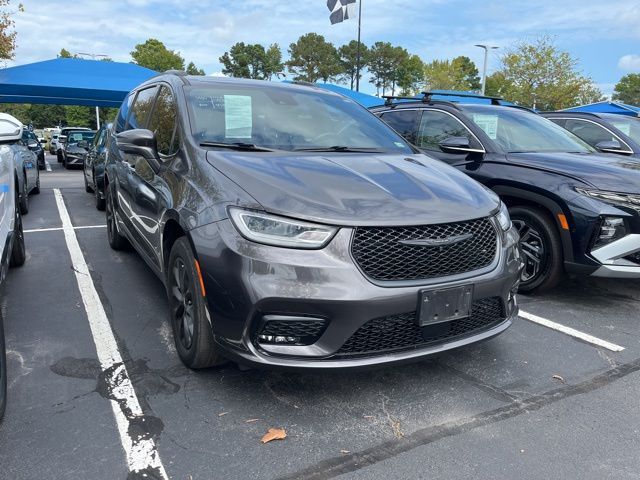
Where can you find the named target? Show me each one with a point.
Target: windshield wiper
(339, 148)
(250, 147)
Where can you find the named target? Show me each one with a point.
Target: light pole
(359, 43)
(93, 57)
(484, 69)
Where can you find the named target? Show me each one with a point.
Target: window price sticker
(238, 116)
(488, 123)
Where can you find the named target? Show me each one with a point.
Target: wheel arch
(172, 230)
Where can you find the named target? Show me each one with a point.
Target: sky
(603, 35)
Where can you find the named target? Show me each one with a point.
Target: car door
(29, 161)
(125, 165)
(92, 153)
(150, 180)
(591, 132)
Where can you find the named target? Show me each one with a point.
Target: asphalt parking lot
(540, 401)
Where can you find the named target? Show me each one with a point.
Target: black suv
(293, 228)
(575, 210)
(606, 132)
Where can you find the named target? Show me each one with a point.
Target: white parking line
(57, 229)
(47, 165)
(571, 331)
(141, 452)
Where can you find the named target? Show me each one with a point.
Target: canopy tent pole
(97, 118)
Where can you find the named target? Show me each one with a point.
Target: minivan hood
(353, 189)
(605, 172)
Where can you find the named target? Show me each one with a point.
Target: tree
(411, 75)
(457, 74)
(384, 60)
(273, 61)
(349, 60)
(540, 75)
(154, 55)
(64, 53)
(7, 33)
(312, 58)
(252, 61)
(627, 90)
(193, 70)
(497, 85)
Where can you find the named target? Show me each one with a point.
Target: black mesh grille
(401, 332)
(307, 330)
(634, 257)
(381, 256)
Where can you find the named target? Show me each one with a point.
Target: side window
(403, 121)
(163, 122)
(123, 113)
(141, 108)
(97, 139)
(559, 121)
(436, 126)
(589, 132)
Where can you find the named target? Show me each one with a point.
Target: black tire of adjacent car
(187, 307)
(116, 241)
(18, 250)
(3, 372)
(59, 155)
(24, 198)
(87, 188)
(36, 190)
(100, 202)
(551, 266)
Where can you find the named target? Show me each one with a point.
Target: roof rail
(180, 73)
(388, 100)
(494, 100)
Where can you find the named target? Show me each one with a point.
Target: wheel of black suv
(18, 250)
(116, 241)
(100, 203)
(36, 190)
(24, 198)
(87, 188)
(59, 155)
(541, 249)
(191, 329)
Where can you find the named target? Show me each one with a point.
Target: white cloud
(629, 63)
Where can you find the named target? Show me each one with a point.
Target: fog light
(278, 339)
(611, 229)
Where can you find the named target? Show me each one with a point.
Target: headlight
(280, 231)
(620, 199)
(503, 217)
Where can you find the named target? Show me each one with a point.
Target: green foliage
(252, 61)
(411, 75)
(627, 90)
(193, 70)
(64, 53)
(7, 33)
(43, 116)
(457, 74)
(540, 75)
(155, 55)
(349, 58)
(312, 58)
(384, 65)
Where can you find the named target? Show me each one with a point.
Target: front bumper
(619, 259)
(69, 160)
(246, 281)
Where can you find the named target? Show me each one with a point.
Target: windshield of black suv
(630, 126)
(285, 118)
(517, 131)
(75, 137)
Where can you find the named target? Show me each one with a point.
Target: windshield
(630, 126)
(75, 137)
(285, 118)
(517, 130)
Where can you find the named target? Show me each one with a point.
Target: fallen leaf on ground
(222, 414)
(559, 378)
(251, 420)
(344, 451)
(274, 434)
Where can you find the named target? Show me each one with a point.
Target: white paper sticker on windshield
(238, 116)
(488, 123)
(624, 127)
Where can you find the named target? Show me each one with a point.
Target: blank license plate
(437, 306)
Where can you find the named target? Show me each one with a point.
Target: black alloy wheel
(24, 197)
(36, 189)
(100, 202)
(87, 188)
(18, 250)
(116, 241)
(541, 249)
(187, 309)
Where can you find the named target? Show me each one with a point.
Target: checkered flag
(339, 10)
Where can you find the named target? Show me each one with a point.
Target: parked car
(94, 162)
(575, 210)
(53, 143)
(62, 138)
(75, 147)
(12, 244)
(30, 139)
(606, 132)
(293, 228)
(26, 162)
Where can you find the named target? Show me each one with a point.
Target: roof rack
(494, 100)
(388, 100)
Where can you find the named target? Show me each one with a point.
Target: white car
(12, 247)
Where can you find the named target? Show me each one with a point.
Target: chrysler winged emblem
(437, 242)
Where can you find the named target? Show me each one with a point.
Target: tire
(87, 188)
(24, 199)
(100, 202)
(187, 306)
(36, 189)
(541, 249)
(3, 372)
(116, 241)
(18, 250)
(59, 155)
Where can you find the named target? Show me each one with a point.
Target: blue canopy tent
(71, 81)
(607, 107)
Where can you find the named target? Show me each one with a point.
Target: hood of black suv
(605, 172)
(356, 189)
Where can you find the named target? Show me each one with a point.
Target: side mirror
(457, 145)
(62, 139)
(32, 144)
(611, 146)
(138, 141)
